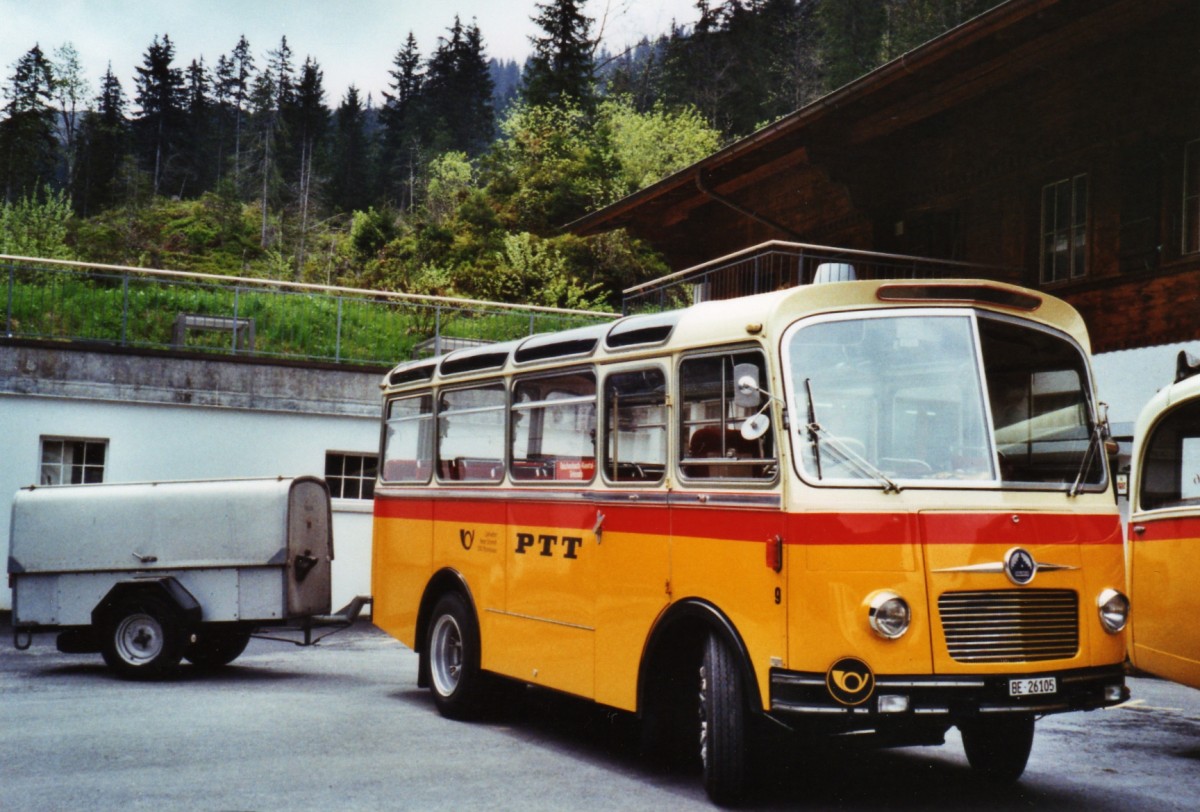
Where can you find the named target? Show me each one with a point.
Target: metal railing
(774, 265)
(156, 309)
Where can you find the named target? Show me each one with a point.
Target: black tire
(452, 643)
(724, 724)
(213, 648)
(143, 637)
(998, 748)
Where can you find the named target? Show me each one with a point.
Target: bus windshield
(935, 398)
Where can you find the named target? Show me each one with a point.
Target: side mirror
(747, 392)
(755, 427)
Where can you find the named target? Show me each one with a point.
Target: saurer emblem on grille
(1019, 566)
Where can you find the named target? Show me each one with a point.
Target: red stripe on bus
(1184, 527)
(403, 508)
(1040, 528)
(742, 524)
(751, 524)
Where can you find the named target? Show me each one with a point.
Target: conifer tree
(911, 23)
(853, 38)
(265, 121)
(561, 68)
(401, 119)
(104, 148)
(310, 118)
(28, 149)
(349, 188)
(279, 65)
(199, 136)
(235, 85)
(457, 93)
(222, 121)
(477, 127)
(161, 98)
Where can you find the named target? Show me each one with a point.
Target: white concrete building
(116, 415)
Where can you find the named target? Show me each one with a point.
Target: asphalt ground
(342, 726)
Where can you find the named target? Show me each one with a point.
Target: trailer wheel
(998, 749)
(723, 724)
(454, 676)
(144, 637)
(213, 648)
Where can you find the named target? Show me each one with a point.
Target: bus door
(1164, 547)
(630, 525)
(548, 624)
(727, 521)
(469, 518)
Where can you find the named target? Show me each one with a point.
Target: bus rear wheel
(452, 640)
(723, 723)
(998, 748)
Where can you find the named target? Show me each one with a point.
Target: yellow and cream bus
(1164, 530)
(876, 508)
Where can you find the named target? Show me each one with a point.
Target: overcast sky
(353, 40)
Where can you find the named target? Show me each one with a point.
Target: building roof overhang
(999, 46)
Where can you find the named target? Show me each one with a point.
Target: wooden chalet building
(1056, 138)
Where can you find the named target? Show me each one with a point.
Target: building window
(1191, 198)
(72, 461)
(350, 476)
(1064, 230)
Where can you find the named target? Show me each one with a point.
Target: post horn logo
(850, 681)
(466, 538)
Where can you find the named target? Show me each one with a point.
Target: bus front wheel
(998, 748)
(723, 723)
(453, 645)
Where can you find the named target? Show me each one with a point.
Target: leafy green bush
(36, 225)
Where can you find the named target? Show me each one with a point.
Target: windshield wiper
(1094, 442)
(814, 428)
(817, 434)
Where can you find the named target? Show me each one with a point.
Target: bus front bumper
(949, 699)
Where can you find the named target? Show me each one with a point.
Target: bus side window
(554, 428)
(471, 434)
(712, 445)
(408, 440)
(1171, 463)
(635, 426)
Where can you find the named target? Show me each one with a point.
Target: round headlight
(889, 615)
(1114, 610)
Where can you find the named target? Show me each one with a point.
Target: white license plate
(1032, 687)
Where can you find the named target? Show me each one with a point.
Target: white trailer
(149, 573)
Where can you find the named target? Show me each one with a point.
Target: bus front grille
(1010, 626)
